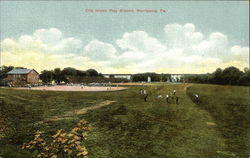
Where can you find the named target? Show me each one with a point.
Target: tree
(58, 75)
(81, 73)
(46, 76)
(92, 72)
(246, 69)
(69, 71)
(231, 75)
(245, 78)
(217, 76)
(4, 70)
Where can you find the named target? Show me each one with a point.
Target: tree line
(228, 76)
(57, 75)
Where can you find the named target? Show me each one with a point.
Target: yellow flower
(77, 138)
(54, 156)
(65, 146)
(83, 153)
(65, 150)
(46, 148)
(78, 142)
(69, 151)
(39, 139)
(63, 135)
(70, 135)
(57, 133)
(75, 129)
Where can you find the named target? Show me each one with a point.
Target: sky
(177, 37)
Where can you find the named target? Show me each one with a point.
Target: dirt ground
(74, 113)
(74, 88)
(133, 83)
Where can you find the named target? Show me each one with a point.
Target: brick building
(23, 76)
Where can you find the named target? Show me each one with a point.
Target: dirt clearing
(75, 88)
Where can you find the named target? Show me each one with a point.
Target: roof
(19, 71)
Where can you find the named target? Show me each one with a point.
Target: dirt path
(188, 85)
(74, 113)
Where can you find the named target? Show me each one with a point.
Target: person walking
(177, 100)
(167, 98)
(145, 97)
(141, 91)
(174, 91)
(196, 98)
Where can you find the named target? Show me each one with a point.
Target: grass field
(216, 127)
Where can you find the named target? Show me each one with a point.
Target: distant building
(124, 76)
(172, 78)
(23, 76)
(149, 79)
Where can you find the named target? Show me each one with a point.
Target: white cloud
(48, 36)
(240, 53)
(181, 35)
(140, 41)
(99, 51)
(184, 50)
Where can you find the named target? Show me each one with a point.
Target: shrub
(63, 144)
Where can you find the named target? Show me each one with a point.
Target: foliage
(11, 151)
(46, 76)
(4, 70)
(228, 76)
(64, 144)
(61, 75)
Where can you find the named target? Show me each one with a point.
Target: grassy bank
(130, 127)
(229, 106)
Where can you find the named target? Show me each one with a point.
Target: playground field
(74, 88)
(124, 125)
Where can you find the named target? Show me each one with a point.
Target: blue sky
(192, 36)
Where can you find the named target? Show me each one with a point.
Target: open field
(74, 88)
(134, 84)
(123, 125)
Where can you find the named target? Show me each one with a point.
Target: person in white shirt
(196, 98)
(174, 91)
(159, 96)
(167, 97)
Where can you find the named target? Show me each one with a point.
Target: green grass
(134, 128)
(229, 106)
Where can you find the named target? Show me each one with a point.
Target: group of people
(144, 93)
(171, 97)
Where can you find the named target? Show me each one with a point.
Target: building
(173, 77)
(124, 76)
(23, 76)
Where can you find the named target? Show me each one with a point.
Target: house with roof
(23, 76)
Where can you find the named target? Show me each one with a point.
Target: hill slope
(131, 127)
